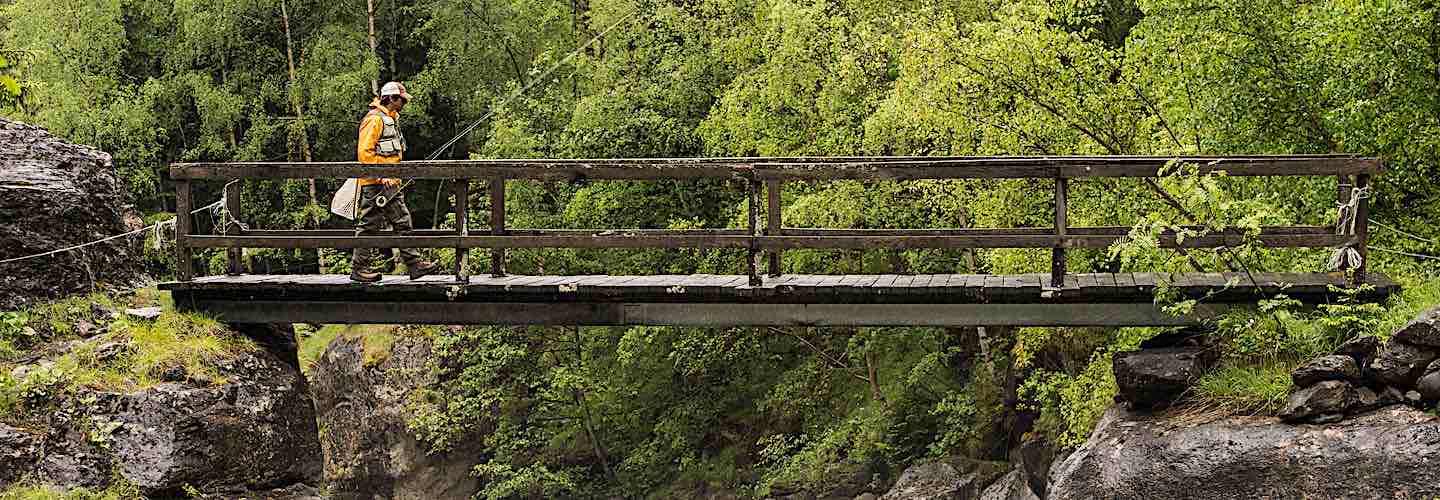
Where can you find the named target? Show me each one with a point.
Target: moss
(120, 489)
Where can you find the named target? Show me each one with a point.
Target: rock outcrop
(1403, 370)
(1011, 486)
(54, 194)
(1389, 453)
(362, 401)
(1155, 378)
(256, 429)
(948, 479)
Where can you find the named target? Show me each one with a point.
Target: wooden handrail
(768, 174)
(789, 168)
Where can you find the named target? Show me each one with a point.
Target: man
(382, 142)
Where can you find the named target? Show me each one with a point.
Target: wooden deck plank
(1094, 288)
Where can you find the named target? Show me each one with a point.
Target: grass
(376, 339)
(133, 354)
(1244, 387)
(120, 489)
(1253, 376)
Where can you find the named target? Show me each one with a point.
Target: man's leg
(399, 216)
(369, 221)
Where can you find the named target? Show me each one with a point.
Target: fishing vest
(392, 142)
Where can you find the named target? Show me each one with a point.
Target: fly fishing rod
(387, 195)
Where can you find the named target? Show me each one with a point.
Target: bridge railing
(767, 176)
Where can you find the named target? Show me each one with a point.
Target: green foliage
(654, 411)
(132, 354)
(1072, 398)
(119, 489)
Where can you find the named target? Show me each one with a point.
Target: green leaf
(11, 85)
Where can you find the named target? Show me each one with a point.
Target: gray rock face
(1324, 401)
(1154, 378)
(369, 452)
(1333, 367)
(1036, 457)
(1429, 387)
(1423, 331)
(18, 450)
(257, 430)
(54, 194)
(1011, 486)
(950, 479)
(1361, 348)
(1389, 453)
(1400, 364)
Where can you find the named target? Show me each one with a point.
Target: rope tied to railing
(153, 227)
(1347, 256)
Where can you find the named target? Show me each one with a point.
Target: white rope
(108, 238)
(1412, 236)
(1347, 257)
(1407, 254)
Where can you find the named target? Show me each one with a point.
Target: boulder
(1365, 400)
(361, 402)
(1361, 348)
(1423, 331)
(1154, 378)
(1011, 486)
(18, 449)
(1389, 453)
(1391, 396)
(1332, 367)
(1399, 364)
(255, 430)
(53, 195)
(1429, 387)
(1324, 401)
(1036, 457)
(947, 479)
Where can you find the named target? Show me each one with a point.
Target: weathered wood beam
(898, 168)
(685, 314)
(792, 240)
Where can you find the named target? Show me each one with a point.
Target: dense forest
(615, 411)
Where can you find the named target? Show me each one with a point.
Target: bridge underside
(1103, 299)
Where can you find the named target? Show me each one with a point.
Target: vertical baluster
(183, 269)
(1362, 224)
(462, 226)
(233, 264)
(773, 225)
(497, 225)
(1057, 254)
(753, 255)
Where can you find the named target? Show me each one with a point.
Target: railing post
(1362, 223)
(233, 264)
(1057, 254)
(183, 271)
(753, 255)
(462, 225)
(497, 225)
(773, 225)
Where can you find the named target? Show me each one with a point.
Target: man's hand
(390, 182)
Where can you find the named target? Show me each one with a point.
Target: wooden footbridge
(750, 297)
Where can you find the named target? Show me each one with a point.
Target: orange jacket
(370, 128)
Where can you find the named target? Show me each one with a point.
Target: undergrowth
(119, 489)
(131, 354)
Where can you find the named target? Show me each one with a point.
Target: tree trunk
(374, 46)
(295, 93)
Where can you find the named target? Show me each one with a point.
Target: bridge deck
(1101, 299)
